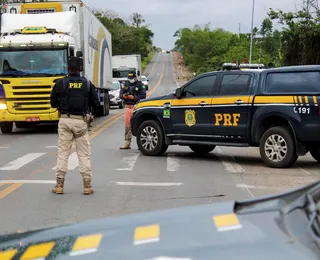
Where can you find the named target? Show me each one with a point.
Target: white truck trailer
(122, 65)
(35, 43)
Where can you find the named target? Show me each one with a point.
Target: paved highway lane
(124, 181)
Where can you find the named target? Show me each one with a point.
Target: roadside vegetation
(132, 37)
(297, 43)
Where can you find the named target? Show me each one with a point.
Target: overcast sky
(166, 16)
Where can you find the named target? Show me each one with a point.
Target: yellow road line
(97, 130)
(227, 222)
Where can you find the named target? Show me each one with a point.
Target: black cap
(132, 75)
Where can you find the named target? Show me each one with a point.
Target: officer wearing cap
(131, 92)
(73, 96)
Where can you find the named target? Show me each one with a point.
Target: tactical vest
(131, 89)
(75, 97)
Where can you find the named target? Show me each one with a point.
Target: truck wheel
(277, 148)
(6, 127)
(107, 104)
(150, 138)
(315, 153)
(121, 105)
(202, 149)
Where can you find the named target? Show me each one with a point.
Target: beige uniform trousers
(128, 111)
(68, 129)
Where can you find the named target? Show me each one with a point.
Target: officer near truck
(131, 92)
(73, 96)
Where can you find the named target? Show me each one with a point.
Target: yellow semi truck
(35, 43)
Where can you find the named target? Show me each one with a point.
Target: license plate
(32, 119)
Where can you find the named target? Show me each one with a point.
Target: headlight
(3, 106)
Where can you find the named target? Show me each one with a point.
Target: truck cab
(122, 65)
(36, 42)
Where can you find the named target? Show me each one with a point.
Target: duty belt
(72, 116)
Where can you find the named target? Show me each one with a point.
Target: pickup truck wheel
(6, 127)
(315, 153)
(202, 149)
(150, 138)
(277, 148)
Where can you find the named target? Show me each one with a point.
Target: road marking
(129, 162)
(20, 162)
(4, 147)
(150, 184)
(173, 163)
(146, 235)
(73, 162)
(51, 146)
(28, 181)
(86, 244)
(232, 167)
(170, 258)
(242, 185)
(227, 222)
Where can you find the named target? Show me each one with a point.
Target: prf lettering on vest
(75, 85)
(227, 119)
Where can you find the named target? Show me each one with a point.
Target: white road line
(51, 146)
(83, 252)
(72, 162)
(18, 163)
(232, 167)
(242, 185)
(28, 181)
(4, 147)
(128, 162)
(151, 184)
(155, 61)
(170, 258)
(173, 163)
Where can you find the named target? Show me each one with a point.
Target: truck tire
(104, 109)
(150, 138)
(107, 103)
(315, 153)
(202, 149)
(6, 127)
(277, 148)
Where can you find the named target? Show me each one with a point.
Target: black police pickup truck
(276, 110)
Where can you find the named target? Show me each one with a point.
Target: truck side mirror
(79, 54)
(177, 93)
(81, 64)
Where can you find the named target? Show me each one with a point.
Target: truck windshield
(121, 73)
(33, 62)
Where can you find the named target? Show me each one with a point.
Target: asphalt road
(126, 181)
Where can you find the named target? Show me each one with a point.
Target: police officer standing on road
(131, 92)
(73, 96)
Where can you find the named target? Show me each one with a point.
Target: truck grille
(29, 99)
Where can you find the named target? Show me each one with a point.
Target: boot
(58, 189)
(87, 189)
(126, 146)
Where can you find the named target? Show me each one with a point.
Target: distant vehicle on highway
(114, 95)
(167, 51)
(274, 109)
(145, 82)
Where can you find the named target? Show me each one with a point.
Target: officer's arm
(55, 97)
(142, 93)
(94, 99)
(121, 91)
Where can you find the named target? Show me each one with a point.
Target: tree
(137, 19)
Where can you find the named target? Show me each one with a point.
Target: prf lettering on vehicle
(227, 119)
(75, 85)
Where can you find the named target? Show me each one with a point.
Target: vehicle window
(200, 87)
(116, 85)
(293, 82)
(235, 85)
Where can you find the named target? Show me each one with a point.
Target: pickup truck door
(232, 105)
(192, 114)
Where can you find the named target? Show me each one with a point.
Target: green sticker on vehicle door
(166, 113)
